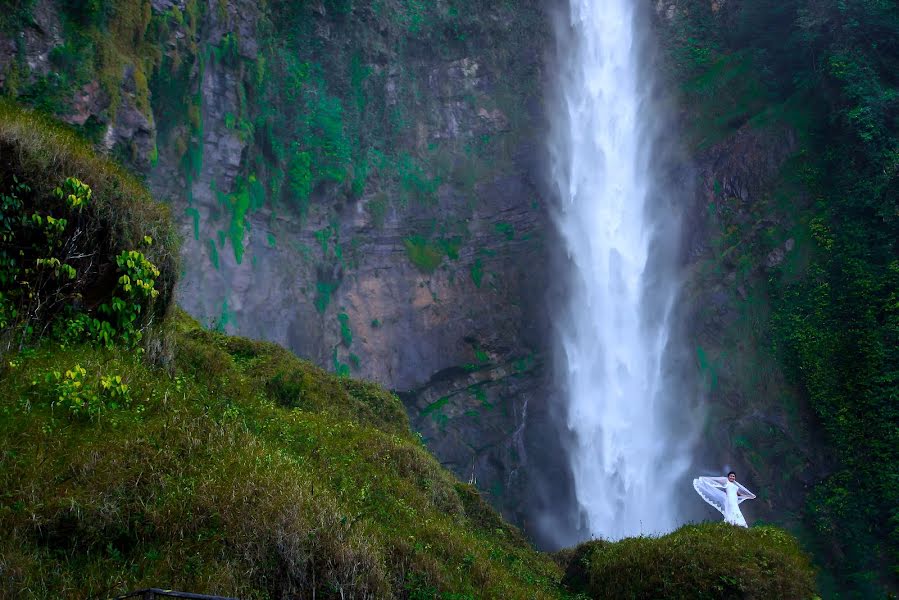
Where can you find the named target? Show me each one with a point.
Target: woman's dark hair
(731, 473)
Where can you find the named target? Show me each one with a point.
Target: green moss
(713, 560)
(377, 208)
(450, 247)
(340, 369)
(346, 334)
(415, 181)
(248, 195)
(435, 407)
(477, 272)
(505, 229)
(213, 254)
(323, 291)
(423, 254)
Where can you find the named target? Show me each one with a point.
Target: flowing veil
(712, 490)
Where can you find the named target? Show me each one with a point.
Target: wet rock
(166, 5)
(89, 101)
(775, 257)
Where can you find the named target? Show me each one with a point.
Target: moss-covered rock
(710, 561)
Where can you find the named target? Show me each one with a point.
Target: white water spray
(628, 448)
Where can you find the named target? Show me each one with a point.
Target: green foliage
(827, 69)
(67, 264)
(415, 182)
(424, 255)
(341, 369)
(346, 334)
(323, 291)
(228, 50)
(477, 272)
(135, 292)
(507, 230)
(321, 144)
(248, 195)
(706, 561)
(80, 395)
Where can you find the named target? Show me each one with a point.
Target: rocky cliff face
(410, 252)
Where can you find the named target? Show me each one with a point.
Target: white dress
(725, 496)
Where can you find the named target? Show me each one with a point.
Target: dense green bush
(710, 561)
(76, 253)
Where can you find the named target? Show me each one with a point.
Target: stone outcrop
(759, 425)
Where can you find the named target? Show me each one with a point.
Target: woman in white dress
(725, 494)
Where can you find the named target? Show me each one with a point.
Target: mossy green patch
(424, 255)
(712, 560)
(477, 272)
(213, 254)
(435, 406)
(323, 291)
(346, 334)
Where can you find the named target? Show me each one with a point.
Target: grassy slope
(241, 470)
(210, 482)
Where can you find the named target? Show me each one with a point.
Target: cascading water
(628, 448)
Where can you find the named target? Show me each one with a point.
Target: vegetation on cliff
(827, 70)
(66, 242)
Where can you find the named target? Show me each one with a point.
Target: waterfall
(630, 428)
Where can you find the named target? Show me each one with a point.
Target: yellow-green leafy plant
(136, 289)
(36, 250)
(81, 395)
(62, 238)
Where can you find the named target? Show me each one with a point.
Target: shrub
(67, 245)
(80, 394)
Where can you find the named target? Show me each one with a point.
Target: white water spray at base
(626, 457)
